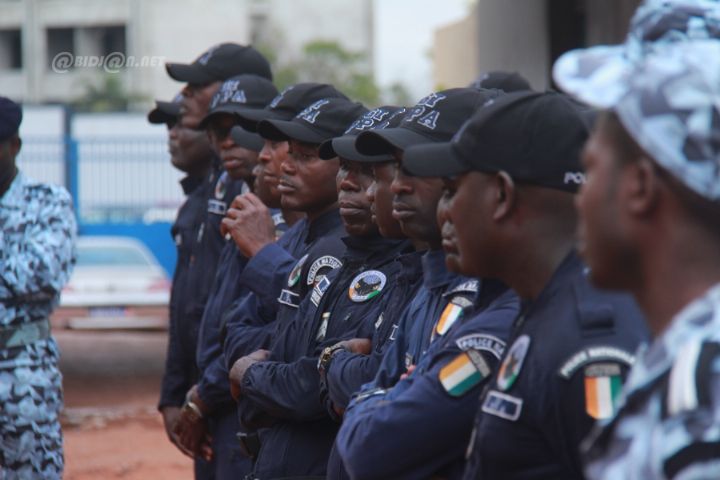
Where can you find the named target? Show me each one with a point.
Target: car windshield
(95, 256)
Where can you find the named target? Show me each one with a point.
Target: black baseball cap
(535, 137)
(388, 116)
(240, 93)
(220, 63)
(435, 118)
(291, 101)
(505, 81)
(325, 119)
(10, 118)
(165, 112)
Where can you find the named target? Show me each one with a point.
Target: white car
(117, 284)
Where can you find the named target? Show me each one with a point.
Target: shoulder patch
(463, 373)
(322, 264)
(471, 286)
(602, 387)
(594, 354)
(484, 342)
(295, 273)
(319, 291)
(502, 405)
(453, 310)
(513, 362)
(366, 285)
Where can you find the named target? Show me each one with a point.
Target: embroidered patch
(511, 365)
(502, 405)
(471, 286)
(322, 330)
(217, 207)
(319, 290)
(463, 373)
(291, 299)
(367, 285)
(221, 186)
(481, 341)
(323, 264)
(602, 387)
(294, 277)
(593, 355)
(453, 310)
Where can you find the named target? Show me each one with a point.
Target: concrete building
(524, 36)
(149, 33)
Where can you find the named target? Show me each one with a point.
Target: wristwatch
(191, 409)
(326, 357)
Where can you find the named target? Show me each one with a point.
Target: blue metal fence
(120, 185)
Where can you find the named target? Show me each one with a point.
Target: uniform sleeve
(175, 381)
(249, 327)
(214, 384)
(348, 372)
(37, 268)
(414, 430)
(266, 273)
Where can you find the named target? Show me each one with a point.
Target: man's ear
(505, 197)
(641, 187)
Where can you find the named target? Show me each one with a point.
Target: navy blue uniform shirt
(570, 350)
(176, 381)
(345, 304)
(420, 427)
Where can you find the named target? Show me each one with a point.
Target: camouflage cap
(672, 110)
(599, 75)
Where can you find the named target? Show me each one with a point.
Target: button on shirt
(668, 422)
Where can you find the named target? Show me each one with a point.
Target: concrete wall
(455, 53)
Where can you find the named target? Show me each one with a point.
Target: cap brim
(433, 160)
(191, 73)
(250, 118)
(598, 76)
(245, 139)
(344, 147)
(386, 141)
(279, 130)
(164, 112)
(214, 113)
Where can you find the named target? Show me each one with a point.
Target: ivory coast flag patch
(464, 372)
(453, 310)
(602, 387)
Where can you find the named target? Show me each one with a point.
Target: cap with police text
(220, 63)
(600, 75)
(238, 94)
(672, 110)
(535, 137)
(165, 112)
(505, 81)
(291, 101)
(382, 117)
(435, 118)
(324, 119)
(10, 118)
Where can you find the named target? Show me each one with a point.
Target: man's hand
(362, 346)
(237, 372)
(170, 416)
(249, 223)
(191, 429)
(409, 372)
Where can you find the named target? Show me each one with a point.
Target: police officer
(512, 173)
(251, 319)
(282, 389)
(36, 258)
(211, 393)
(190, 153)
(649, 224)
(203, 78)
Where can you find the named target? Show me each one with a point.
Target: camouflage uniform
(36, 257)
(667, 425)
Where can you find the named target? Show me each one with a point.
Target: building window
(60, 40)
(10, 49)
